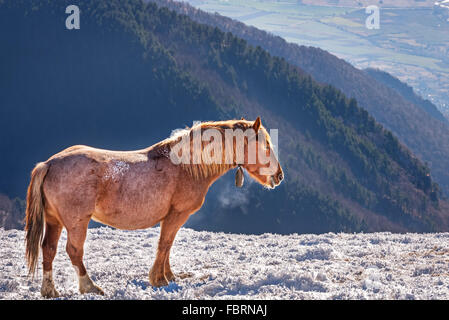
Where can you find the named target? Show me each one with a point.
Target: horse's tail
(35, 216)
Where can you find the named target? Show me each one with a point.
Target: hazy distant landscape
(365, 3)
(410, 43)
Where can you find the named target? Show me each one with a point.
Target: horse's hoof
(158, 282)
(92, 289)
(88, 286)
(49, 292)
(48, 287)
(170, 276)
(97, 290)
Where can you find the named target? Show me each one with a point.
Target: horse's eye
(280, 176)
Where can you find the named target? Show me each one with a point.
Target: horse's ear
(242, 118)
(257, 124)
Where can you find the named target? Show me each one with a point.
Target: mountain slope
(231, 266)
(133, 72)
(427, 137)
(407, 92)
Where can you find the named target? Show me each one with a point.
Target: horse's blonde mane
(204, 170)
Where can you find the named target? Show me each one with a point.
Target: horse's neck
(212, 178)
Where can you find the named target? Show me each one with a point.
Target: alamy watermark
(73, 20)
(373, 20)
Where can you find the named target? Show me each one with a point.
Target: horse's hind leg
(49, 247)
(75, 249)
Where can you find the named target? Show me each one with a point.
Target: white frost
(232, 266)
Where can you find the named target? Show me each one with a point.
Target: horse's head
(263, 166)
(212, 148)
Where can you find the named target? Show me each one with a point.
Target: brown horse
(128, 190)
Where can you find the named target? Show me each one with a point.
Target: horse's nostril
(280, 176)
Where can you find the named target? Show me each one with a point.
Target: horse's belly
(125, 221)
(135, 201)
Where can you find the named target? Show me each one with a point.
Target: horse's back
(100, 155)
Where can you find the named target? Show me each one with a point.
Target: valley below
(409, 44)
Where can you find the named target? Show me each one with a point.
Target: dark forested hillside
(426, 136)
(134, 72)
(11, 212)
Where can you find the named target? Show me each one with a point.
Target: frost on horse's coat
(126, 190)
(115, 170)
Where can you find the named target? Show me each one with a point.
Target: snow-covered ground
(231, 266)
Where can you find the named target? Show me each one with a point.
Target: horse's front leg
(167, 270)
(160, 273)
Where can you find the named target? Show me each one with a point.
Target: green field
(412, 44)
